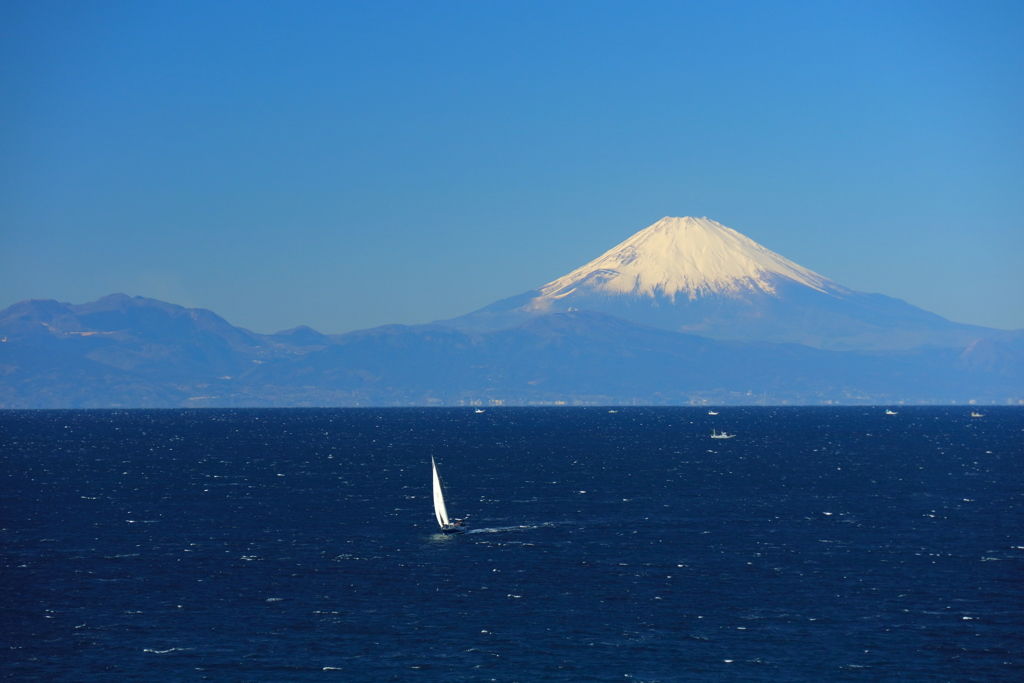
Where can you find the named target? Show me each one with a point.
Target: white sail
(439, 510)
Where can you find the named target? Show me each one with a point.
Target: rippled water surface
(838, 544)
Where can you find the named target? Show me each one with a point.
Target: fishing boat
(890, 412)
(721, 435)
(974, 414)
(453, 526)
(711, 412)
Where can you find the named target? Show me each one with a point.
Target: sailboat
(456, 526)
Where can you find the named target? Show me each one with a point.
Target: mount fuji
(695, 275)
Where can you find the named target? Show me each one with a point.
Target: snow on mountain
(697, 276)
(689, 257)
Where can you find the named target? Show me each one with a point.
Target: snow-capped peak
(690, 257)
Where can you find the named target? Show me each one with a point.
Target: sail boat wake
(456, 526)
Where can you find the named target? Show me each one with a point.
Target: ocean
(819, 544)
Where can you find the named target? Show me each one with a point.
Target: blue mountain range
(685, 312)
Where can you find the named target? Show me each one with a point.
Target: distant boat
(613, 411)
(890, 412)
(711, 412)
(974, 414)
(456, 526)
(721, 435)
(479, 410)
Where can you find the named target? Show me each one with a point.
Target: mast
(439, 510)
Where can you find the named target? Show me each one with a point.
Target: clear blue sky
(345, 165)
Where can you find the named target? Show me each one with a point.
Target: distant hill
(592, 357)
(126, 351)
(135, 352)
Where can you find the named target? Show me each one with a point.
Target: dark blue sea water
(820, 544)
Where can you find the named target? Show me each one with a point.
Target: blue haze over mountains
(686, 311)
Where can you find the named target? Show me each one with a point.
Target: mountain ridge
(70, 357)
(686, 311)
